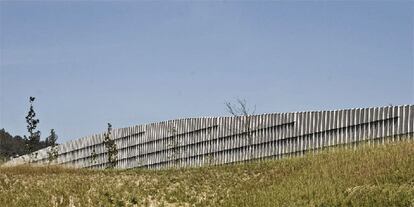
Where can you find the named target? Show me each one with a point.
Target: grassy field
(368, 176)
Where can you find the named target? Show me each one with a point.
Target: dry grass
(368, 176)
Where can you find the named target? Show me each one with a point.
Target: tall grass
(367, 176)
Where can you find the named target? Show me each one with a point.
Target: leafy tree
(51, 141)
(11, 146)
(111, 148)
(33, 141)
(14, 146)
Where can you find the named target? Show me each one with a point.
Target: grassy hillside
(368, 176)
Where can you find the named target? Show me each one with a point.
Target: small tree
(51, 141)
(111, 148)
(174, 144)
(94, 157)
(241, 109)
(32, 142)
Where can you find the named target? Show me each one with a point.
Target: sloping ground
(368, 176)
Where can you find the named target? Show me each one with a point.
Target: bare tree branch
(241, 110)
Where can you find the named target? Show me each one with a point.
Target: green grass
(368, 176)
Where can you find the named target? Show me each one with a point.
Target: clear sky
(128, 63)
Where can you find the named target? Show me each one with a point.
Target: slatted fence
(221, 140)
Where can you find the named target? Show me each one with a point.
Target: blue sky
(128, 63)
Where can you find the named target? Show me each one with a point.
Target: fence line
(222, 140)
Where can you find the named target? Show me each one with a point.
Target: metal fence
(221, 140)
